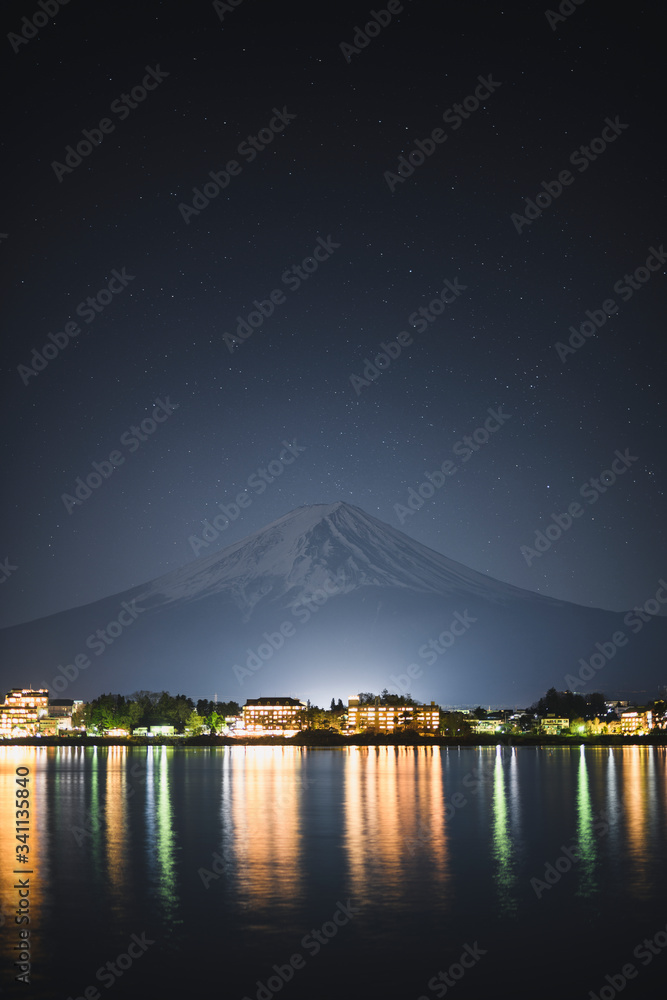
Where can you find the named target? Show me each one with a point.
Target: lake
(406, 872)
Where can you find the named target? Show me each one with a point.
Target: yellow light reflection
(116, 839)
(266, 804)
(635, 811)
(395, 819)
(13, 872)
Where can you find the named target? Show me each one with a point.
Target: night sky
(320, 185)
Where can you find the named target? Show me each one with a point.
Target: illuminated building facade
(264, 716)
(636, 723)
(59, 717)
(486, 726)
(21, 712)
(62, 708)
(553, 726)
(387, 718)
(155, 730)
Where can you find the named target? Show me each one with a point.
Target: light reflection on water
(504, 874)
(262, 793)
(401, 830)
(640, 815)
(586, 842)
(394, 816)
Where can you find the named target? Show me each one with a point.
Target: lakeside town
(31, 714)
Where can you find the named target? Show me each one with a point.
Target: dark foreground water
(355, 872)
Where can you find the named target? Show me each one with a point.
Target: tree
(568, 705)
(108, 711)
(194, 723)
(214, 720)
(204, 707)
(454, 724)
(595, 704)
(225, 707)
(134, 712)
(78, 716)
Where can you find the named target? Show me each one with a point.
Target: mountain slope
(327, 601)
(291, 557)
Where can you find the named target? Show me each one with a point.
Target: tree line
(146, 708)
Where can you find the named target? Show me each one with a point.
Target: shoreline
(331, 741)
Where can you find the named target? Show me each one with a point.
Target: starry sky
(305, 131)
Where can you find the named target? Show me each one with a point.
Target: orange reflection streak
(10, 758)
(116, 839)
(636, 818)
(266, 803)
(394, 817)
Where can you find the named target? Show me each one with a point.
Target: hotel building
(21, 712)
(552, 725)
(273, 716)
(387, 718)
(637, 722)
(486, 726)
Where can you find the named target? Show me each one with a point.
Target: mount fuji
(328, 601)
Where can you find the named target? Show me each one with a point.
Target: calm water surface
(358, 872)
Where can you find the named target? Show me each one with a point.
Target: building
(21, 712)
(387, 718)
(485, 725)
(637, 722)
(551, 725)
(62, 708)
(273, 716)
(616, 706)
(155, 730)
(59, 717)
